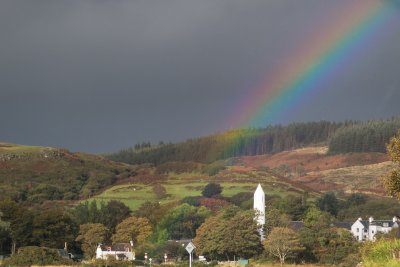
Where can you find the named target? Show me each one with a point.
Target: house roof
(390, 223)
(367, 223)
(344, 225)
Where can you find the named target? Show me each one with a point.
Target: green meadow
(190, 184)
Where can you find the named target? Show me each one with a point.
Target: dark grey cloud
(102, 75)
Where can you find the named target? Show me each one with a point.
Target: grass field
(191, 184)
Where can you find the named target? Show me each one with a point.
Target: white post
(190, 259)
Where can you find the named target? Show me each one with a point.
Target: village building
(367, 229)
(121, 251)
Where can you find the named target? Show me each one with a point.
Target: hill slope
(35, 174)
(313, 167)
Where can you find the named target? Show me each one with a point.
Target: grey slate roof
(366, 223)
(344, 225)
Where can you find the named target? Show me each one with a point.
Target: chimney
(371, 219)
(395, 219)
(359, 219)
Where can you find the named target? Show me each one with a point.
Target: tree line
(370, 136)
(341, 137)
(241, 142)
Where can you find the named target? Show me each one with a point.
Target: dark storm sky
(97, 76)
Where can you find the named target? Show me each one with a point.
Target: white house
(121, 251)
(366, 230)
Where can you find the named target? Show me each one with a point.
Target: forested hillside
(371, 136)
(344, 137)
(244, 142)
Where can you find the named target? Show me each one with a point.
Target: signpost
(189, 248)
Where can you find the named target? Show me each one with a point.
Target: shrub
(27, 256)
(381, 252)
(211, 189)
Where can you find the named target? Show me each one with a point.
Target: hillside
(234, 143)
(314, 168)
(35, 174)
(235, 181)
(343, 137)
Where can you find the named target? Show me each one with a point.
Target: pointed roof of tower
(259, 190)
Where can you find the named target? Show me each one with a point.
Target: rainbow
(353, 29)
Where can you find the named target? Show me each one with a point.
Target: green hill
(35, 174)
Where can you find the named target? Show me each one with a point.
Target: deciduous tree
(274, 218)
(134, 229)
(225, 237)
(283, 242)
(391, 180)
(91, 234)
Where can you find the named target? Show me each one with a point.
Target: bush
(211, 189)
(191, 200)
(214, 168)
(381, 252)
(27, 256)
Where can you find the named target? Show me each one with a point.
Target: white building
(121, 251)
(259, 207)
(366, 230)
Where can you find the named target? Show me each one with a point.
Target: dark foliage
(328, 203)
(211, 189)
(231, 144)
(371, 136)
(32, 255)
(109, 214)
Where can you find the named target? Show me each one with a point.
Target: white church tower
(259, 206)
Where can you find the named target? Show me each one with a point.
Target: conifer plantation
(342, 137)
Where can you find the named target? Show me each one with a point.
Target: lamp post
(150, 261)
(145, 258)
(165, 258)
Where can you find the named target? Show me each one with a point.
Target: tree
(4, 234)
(91, 234)
(391, 180)
(86, 212)
(20, 219)
(113, 213)
(134, 229)
(211, 189)
(152, 211)
(226, 237)
(242, 235)
(283, 242)
(210, 237)
(328, 203)
(51, 228)
(182, 221)
(274, 218)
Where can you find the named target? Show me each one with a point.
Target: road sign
(190, 247)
